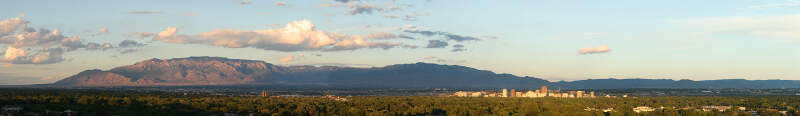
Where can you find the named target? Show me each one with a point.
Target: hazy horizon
(45, 41)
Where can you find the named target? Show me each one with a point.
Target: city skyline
(45, 41)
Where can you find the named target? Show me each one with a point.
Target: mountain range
(219, 71)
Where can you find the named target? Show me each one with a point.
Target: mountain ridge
(221, 71)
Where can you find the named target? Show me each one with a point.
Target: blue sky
(549, 39)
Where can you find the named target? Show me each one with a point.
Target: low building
(643, 109)
(718, 108)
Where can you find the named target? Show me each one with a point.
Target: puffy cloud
(130, 43)
(41, 37)
(13, 53)
(289, 58)
(436, 44)
(140, 34)
(448, 36)
(280, 3)
(38, 46)
(8, 26)
(592, 50)
(784, 26)
(143, 12)
(21, 56)
(296, 36)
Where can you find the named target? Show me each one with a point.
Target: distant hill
(219, 71)
(199, 71)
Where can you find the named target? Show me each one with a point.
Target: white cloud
(21, 56)
(296, 36)
(593, 50)
(785, 26)
(8, 26)
(13, 53)
(28, 45)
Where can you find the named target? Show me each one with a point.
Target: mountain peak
(205, 70)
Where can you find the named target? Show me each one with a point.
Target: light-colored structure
(643, 109)
(544, 89)
(712, 108)
(529, 93)
(505, 93)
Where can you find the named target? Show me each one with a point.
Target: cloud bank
(26, 45)
(295, 36)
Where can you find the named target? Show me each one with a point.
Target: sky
(43, 41)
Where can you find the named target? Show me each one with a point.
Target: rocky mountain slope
(199, 71)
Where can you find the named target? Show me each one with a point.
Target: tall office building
(264, 93)
(544, 89)
(579, 94)
(513, 93)
(505, 93)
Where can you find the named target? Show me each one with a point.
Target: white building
(643, 109)
(505, 93)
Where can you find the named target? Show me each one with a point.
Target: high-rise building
(513, 93)
(505, 93)
(544, 89)
(591, 94)
(579, 94)
(264, 93)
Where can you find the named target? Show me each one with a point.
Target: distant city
(542, 92)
